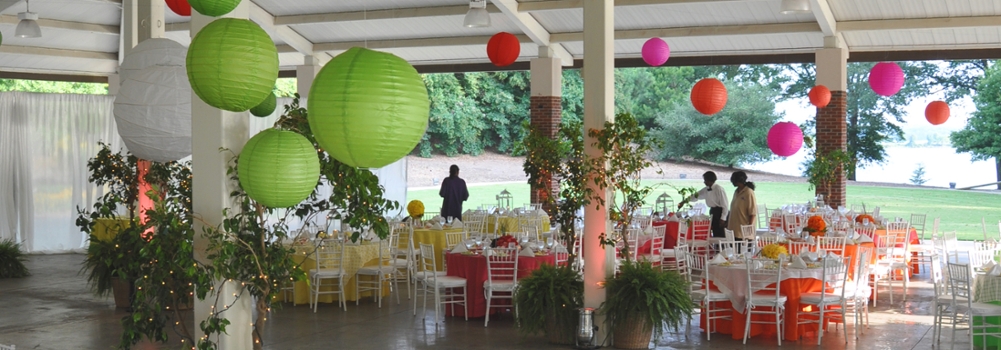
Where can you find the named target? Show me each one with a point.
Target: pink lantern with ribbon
(785, 139)
(886, 78)
(656, 52)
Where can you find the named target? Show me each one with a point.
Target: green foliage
(869, 115)
(456, 124)
(960, 77)
(736, 135)
(661, 297)
(548, 300)
(918, 177)
(624, 146)
(822, 170)
(560, 157)
(54, 87)
(356, 199)
(286, 87)
(12, 260)
(980, 137)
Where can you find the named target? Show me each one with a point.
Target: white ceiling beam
(52, 23)
(423, 42)
(757, 29)
(43, 51)
(414, 12)
(825, 18)
(920, 23)
(531, 27)
(289, 36)
(177, 27)
(576, 4)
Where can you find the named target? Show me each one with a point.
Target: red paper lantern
(886, 78)
(937, 112)
(820, 96)
(180, 7)
(503, 49)
(709, 96)
(785, 139)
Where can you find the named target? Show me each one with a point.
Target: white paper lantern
(153, 106)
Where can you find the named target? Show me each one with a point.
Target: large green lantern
(278, 168)
(266, 107)
(232, 64)
(367, 108)
(214, 8)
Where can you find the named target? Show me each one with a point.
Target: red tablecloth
(791, 288)
(670, 236)
(474, 269)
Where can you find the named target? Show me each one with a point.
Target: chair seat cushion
(709, 295)
(767, 300)
(326, 273)
(419, 275)
(449, 281)
(499, 286)
(376, 270)
(814, 298)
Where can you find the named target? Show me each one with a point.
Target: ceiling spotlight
(795, 6)
(477, 16)
(27, 27)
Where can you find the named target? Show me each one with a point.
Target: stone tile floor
(53, 309)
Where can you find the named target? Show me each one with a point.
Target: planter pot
(557, 332)
(633, 332)
(120, 289)
(952, 185)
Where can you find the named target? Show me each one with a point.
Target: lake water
(942, 166)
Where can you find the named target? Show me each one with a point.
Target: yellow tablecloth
(435, 238)
(511, 222)
(106, 229)
(355, 257)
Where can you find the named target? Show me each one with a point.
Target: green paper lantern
(232, 64)
(368, 109)
(266, 107)
(214, 8)
(278, 168)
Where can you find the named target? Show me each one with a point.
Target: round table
(356, 256)
(435, 238)
(473, 267)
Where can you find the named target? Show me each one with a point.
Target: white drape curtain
(45, 142)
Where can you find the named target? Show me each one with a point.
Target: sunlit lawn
(959, 210)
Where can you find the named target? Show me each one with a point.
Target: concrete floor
(53, 309)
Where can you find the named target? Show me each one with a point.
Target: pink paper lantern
(886, 78)
(656, 52)
(785, 139)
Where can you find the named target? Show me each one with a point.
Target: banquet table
(671, 233)
(435, 238)
(473, 267)
(356, 256)
(511, 223)
(987, 289)
(794, 282)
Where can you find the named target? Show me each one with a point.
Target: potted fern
(640, 301)
(548, 301)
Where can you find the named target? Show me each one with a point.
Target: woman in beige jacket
(743, 207)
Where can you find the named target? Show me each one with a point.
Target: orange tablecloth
(474, 269)
(791, 288)
(913, 239)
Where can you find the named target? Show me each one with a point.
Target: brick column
(546, 116)
(832, 135)
(546, 107)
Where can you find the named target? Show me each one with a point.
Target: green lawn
(959, 210)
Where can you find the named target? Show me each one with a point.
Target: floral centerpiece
(416, 209)
(504, 241)
(862, 219)
(772, 251)
(816, 226)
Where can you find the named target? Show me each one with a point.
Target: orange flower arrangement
(816, 226)
(863, 218)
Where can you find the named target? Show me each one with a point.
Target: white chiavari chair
(961, 283)
(383, 272)
(891, 262)
(710, 302)
(502, 277)
(832, 244)
(700, 233)
(329, 260)
(764, 296)
(441, 287)
(834, 301)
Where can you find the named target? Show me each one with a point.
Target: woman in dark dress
(453, 191)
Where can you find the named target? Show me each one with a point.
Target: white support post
(599, 107)
(305, 74)
(211, 130)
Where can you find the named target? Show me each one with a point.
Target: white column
(546, 76)
(212, 129)
(599, 107)
(114, 84)
(832, 65)
(305, 74)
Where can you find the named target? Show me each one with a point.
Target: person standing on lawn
(453, 192)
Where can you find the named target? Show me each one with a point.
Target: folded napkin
(459, 248)
(457, 224)
(864, 239)
(755, 264)
(797, 262)
(718, 259)
(437, 218)
(673, 217)
(781, 237)
(649, 230)
(436, 226)
(559, 248)
(833, 260)
(526, 251)
(531, 245)
(812, 256)
(488, 252)
(811, 240)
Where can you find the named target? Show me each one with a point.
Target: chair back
(937, 277)
(875, 212)
(502, 264)
(664, 204)
(681, 258)
(762, 216)
(657, 240)
(428, 265)
(917, 221)
(453, 237)
(862, 270)
(835, 275)
(790, 223)
(766, 240)
(696, 267)
(748, 231)
(796, 248)
(832, 244)
(329, 255)
(682, 233)
(960, 283)
(762, 282)
(867, 230)
(700, 228)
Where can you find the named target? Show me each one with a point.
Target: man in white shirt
(716, 200)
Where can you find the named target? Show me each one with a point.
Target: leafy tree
(960, 78)
(918, 177)
(868, 117)
(456, 124)
(980, 136)
(55, 87)
(573, 96)
(736, 135)
(503, 98)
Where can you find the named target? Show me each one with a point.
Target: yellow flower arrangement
(415, 208)
(772, 251)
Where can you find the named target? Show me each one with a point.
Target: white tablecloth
(732, 280)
